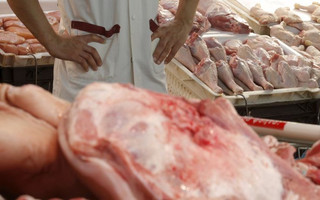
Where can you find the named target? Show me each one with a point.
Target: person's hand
(172, 36)
(76, 48)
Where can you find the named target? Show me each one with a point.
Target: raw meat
(289, 17)
(198, 47)
(55, 14)
(1, 23)
(263, 56)
(201, 23)
(184, 57)
(164, 16)
(232, 46)
(312, 168)
(242, 71)
(289, 78)
(258, 76)
(16, 23)
(304, 26)
(311, 37)
(9, 48)
(216, 49)
(314, 9)
(143, 145)
(24, 48)
(266, 42)
(25, 97)
(262, 16)
(206, 71)
(23, 32)
(37, 48)
(10, 38)
(222, 17)
(171, 5)
(17, 124)
(284, 35)
(255, 66)
(226, 76)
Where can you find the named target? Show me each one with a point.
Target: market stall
(247, 127)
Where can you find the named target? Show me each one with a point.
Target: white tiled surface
(45, 4)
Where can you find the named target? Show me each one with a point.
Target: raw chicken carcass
(263, 56)
(216, 49)
(258, 75)
(184, 57)
(201, 23)
(286, 15)
(242, 71)
(263, 16)
(314, 9)
(198, 47)
(206, 71)
(311, 37)
(284, 35)
(266, 42)
(164, 16)
(226, 76)
(313, 51)
(144, 145)
(232, 46)
(289, 78)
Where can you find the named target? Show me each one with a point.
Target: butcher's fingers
(77, 49)
(172, 36)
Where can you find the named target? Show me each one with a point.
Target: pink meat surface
(129, 143)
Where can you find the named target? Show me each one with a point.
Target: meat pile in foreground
(129, 143)
(145, 145)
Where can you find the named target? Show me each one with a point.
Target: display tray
(12, 60)
(182, 82)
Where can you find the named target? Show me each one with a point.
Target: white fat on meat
(144, 145)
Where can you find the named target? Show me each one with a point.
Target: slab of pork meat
(129, 143)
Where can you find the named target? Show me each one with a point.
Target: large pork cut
(128, 143)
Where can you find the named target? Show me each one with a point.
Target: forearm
(31, 14)
(186, 11)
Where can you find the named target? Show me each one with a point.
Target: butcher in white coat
(122, 53)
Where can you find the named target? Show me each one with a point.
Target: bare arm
(174, 34)
(68, 48)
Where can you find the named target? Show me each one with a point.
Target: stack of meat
(305, 37)
(210, 13)
(255, 64)
(132, 144)
(17, 39)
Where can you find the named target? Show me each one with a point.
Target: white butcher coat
(127, 56)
